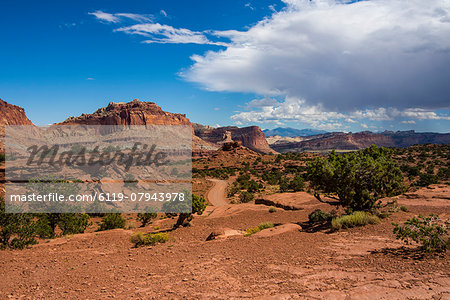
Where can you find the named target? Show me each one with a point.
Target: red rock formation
(251, 137)
(360, 140)
(132, 113)
(140, 113)
(11, 115)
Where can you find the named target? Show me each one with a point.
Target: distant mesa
(207, 139)
(359, 140)
(292, 132)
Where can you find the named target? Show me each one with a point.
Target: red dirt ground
(359, 263)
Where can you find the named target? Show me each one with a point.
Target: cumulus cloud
(269, 110)
(290, 110)
(344, 56)
(267, 101)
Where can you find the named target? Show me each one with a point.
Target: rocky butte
(11, 115)
(251, 137)
(205, 138)
(131, 113)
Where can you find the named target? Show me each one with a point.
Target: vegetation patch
(431, 233)
(258, 228)
(359, 179)
(357, 218)
(146, 218)
(272, 209)
(112, 221)
(141, 239)
(319, 216)
(16, 230)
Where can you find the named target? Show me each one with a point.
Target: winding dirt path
(216, 195)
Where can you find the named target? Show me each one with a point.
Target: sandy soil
(217, 194)
(282, 263)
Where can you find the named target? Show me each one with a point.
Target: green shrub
(112, 221)
(320, 216)
(272, 209)
(246, 197)
(427, 179)
(232, 191)
(297, 184)
(73, 223)
(2, 157)
(358, 178)
(141, 239)
(430, 233)
(16, 230)
(444, 173)
(198, 206)
(358, 218)
(146, 218)
(258, 228)
(404, 208)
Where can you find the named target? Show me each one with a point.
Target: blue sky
(268, 63)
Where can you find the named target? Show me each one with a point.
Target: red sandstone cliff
(251, 137)
(360, 140)
(131, 113)
(148, 113)
(11, 115)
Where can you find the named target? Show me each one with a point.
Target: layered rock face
(140, 113)
(360, 140)
(251, 137)
(11, 115)
(132, 113)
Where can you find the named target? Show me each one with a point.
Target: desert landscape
(257, 149)
(219, 254)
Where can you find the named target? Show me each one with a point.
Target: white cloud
(136, 17)
(249, 5)
(165, 34)
(346, 56)
(163, 12)
(389, 114)
(291, 110)
(90, 78)
(267, 101)
(269, 110)
(116, 18)
(105, 16)
(409, 122)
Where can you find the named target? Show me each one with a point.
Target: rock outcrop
(132, 113)
(251, 137)
(11, 115)
(140, 113)
(359, 140)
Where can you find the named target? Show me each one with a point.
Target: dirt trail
(216, 195)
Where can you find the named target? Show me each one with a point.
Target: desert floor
(281, 263)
